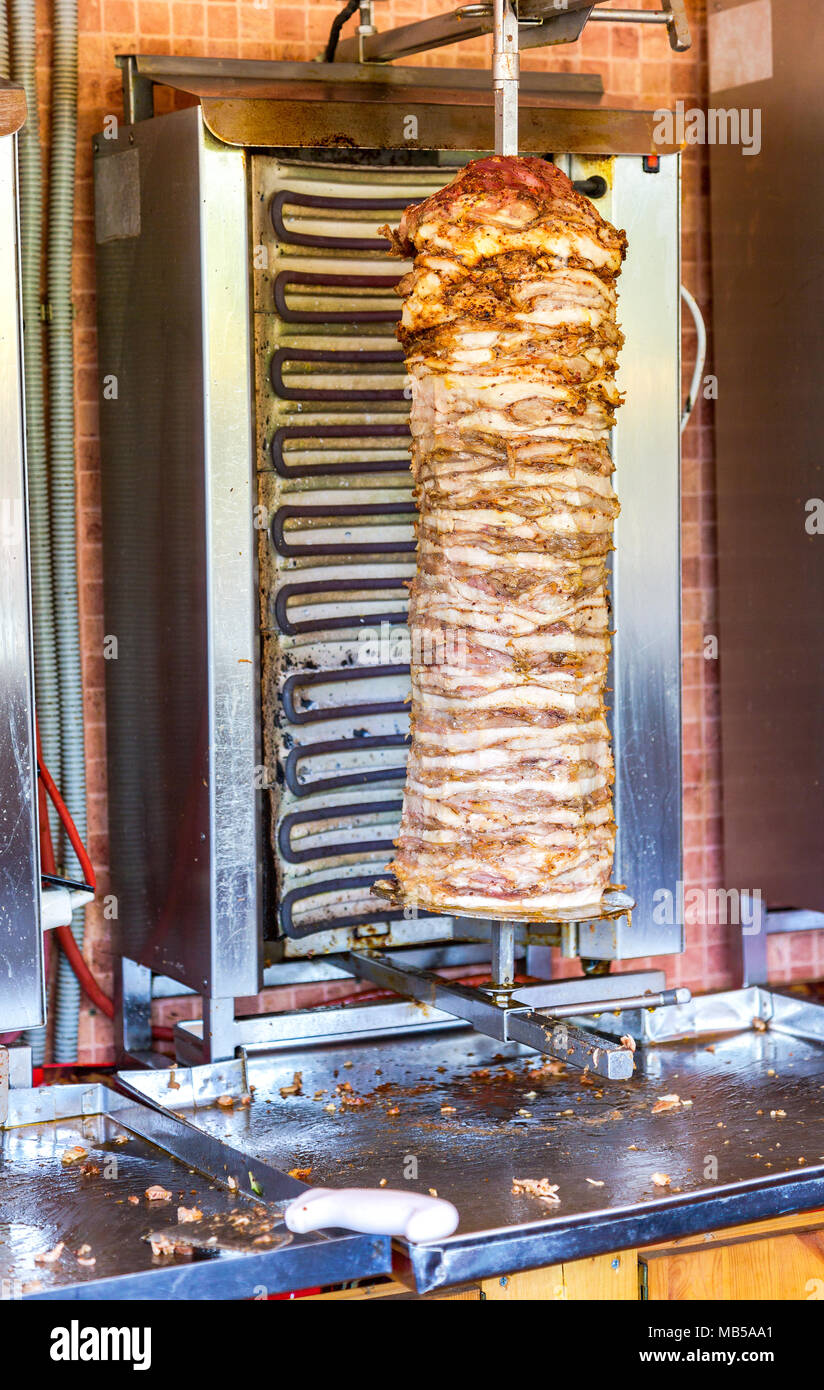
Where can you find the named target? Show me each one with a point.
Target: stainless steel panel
(175, 368)
(646, 664)
(22, 1003)
(43, 1203)
(234, 707)
(768, 304)
(512, 1118)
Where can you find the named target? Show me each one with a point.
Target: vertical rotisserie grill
(281, 454)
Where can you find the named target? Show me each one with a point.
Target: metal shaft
(503, 954)
(505, 65)
(619, 1004)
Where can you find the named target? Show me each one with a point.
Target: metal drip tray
(101, 1204)
(614, 903)
(463, 1114)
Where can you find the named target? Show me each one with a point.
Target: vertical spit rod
(503, 955)
(505, 65)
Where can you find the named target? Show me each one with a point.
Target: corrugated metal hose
(51, 473)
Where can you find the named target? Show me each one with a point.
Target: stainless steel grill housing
(258, 534)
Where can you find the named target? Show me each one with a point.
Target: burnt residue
(463, 1114)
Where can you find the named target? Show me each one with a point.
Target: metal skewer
(502, 966)
(505, 69)
(495, 1009)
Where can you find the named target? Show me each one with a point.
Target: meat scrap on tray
(511, 340)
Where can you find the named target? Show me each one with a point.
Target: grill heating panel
(337, 544)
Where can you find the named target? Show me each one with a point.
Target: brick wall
(636, 62)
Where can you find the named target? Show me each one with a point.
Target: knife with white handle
(375, 1211)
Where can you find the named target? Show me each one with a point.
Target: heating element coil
(337, 541)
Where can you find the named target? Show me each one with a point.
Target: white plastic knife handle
(376, 1211)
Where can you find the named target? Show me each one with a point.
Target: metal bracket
(138, 90)
(15, 1075)
(540, 24)
(4, 1085)
(503, 1015)
(762, 923)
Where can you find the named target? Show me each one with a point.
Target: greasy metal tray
(43, 1203)
(613, 903)
(749, 1144)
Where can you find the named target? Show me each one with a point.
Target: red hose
(68, 824)
(68, 944)
(85, 977)
(71, 950)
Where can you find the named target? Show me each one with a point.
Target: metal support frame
(133, 1007)
(578, 997)
(138, 90)
(541, 23)
(758, 926)
(514, 1018)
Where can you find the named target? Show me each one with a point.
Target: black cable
(334, 33)
(56, 882)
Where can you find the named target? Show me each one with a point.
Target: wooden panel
(467, 1293)
(531, 1284)
(781, 1225)
(784, 1268)
(605, 1277)
(781, 1258)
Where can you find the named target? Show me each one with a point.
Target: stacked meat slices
(511, 343)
